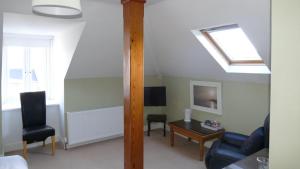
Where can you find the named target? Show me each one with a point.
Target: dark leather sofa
(233, 147)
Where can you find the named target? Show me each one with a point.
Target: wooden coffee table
(193, 130)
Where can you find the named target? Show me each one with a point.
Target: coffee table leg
(202, 149)
(172, 136)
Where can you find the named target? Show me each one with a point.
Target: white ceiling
(170, 47)
(34, 25)
(149, 2)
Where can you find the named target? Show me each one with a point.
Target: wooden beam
(133, 64)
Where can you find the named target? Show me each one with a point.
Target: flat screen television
(155, 96)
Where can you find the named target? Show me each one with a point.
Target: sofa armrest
(223, 157)
(230, 155)
(234, 138)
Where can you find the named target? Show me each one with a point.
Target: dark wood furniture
(193, 130)
(157, 118)
(249, 162)
(35, 129)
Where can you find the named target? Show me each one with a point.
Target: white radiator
(91, 126)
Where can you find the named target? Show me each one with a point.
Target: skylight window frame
(206, 34)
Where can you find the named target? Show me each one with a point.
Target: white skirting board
(153, 127)
(86, 127)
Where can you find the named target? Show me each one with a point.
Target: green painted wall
(285, 90)
(245, 105)
(94, 93)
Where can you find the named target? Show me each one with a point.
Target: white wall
(285, 85)
(64, 46)
(12, 127)
(66, 35)
(1, 38)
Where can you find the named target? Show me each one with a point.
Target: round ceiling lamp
(58, 8)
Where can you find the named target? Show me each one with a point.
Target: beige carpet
(109, 155)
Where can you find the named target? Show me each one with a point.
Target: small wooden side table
(162, 118)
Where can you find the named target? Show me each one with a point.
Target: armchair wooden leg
(25, 152)
(53, 145)
(44, 144)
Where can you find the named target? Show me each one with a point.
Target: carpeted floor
(109, 155)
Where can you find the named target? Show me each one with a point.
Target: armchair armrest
(223, 157)
(234, 138)
(228, 155)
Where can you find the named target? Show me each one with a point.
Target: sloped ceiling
(170, 47)
(180, 54)
(99, 52)
(24, 24)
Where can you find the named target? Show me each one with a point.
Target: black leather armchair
(233, 147)
(33, 107)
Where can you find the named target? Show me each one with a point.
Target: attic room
(133, 84)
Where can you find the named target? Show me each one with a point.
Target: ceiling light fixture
(60, 8)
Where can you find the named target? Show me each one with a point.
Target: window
(26, 67)
(232, 49)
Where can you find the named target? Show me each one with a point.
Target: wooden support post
(25, 151)
(53, 145)
(133, 11)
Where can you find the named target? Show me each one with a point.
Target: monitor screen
(155, 96)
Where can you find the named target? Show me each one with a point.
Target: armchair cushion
(254, 143)
(35, 134)
(222, 154)
(267, 130)
(234, 138)
(234, 147)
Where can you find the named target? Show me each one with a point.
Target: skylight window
(232, 49)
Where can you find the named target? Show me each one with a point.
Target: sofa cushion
(254, 143)
(234, 139)
(267, 130)
(222, 154)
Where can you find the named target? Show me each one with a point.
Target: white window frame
(27, 41)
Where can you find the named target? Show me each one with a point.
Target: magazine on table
(212, 125)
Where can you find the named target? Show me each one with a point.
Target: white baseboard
(19, 145)
(93, 141)
(153, 126)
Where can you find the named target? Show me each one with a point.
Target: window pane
(15, 73)
(235, 43)
(38, 69)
